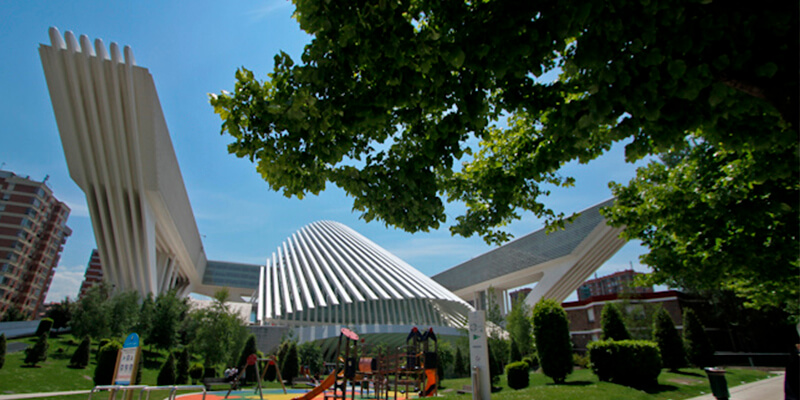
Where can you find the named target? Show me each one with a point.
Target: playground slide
(323, 386)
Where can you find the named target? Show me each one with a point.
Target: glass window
(590, 314)
(36, 203)
(26, 223)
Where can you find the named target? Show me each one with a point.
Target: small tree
(514, 355)
(80, 358)
(61, 313)
(290, 364)
(182, 367)
(311, 357)
(166, 376)
(106, 360)
(551, 333)
(518, 325)
(495, 362)
(2, 349)
(45, 325)
(669, 341)
(248, 349)
(38, 352)
(698, 348)
(460, 369)
(196, 372)
(613, 324)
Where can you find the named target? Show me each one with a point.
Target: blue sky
(192, 49)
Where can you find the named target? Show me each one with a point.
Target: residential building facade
(618, 282)
(584, 315)
(33, 231)
(94, 273)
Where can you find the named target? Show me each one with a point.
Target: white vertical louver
(326, 273)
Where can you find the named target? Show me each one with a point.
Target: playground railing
(173, 389)
(114, 389)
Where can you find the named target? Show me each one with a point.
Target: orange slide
(323, 386)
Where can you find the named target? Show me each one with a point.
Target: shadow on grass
(30, 366)
(679, 372)
(577, 383)
(653, 389)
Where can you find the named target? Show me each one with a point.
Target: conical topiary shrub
(553, 342)
(38, 352)
(80, 358)
(670, 344)
(248, 349)
(182, 367)
(698, 347)
(106, 360)
(166, 376)
(2, 349)
(612, 324)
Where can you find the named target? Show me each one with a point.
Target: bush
(635, 363)
(196, 372)
(554, 345)
(460, 369)
(272, 372)
(290, 365)
(669, 341)
(517, 375)
(514, 355)
(209, 371)
(80, 358)
(532, 361)
(166, 376)
(579, 360)
(106, 361)
(100, 345)
(698, 347)
(182, 367)
(2, 349)
(38, 352)
(45, 325)
(248, 349)
(612, 323)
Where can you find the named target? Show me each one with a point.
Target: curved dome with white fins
(328, 274)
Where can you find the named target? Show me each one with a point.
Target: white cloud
(66, 283)
(269, 8)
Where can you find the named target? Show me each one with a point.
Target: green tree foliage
(123, 313)
(168, 312)
(196, 372)
(698, 348)
(182, 367)
(404, 87)
(216, 332)
(461, 367)
(495, 362)
(166, 375)
(106, 360)
(514, 354)
(518, 325)
(45, 325)
(445, 359)
(612, 323)
(248, 349)
(311, 356)
(2, 349)
(493, 313)
(38, 352)
(145, 323)
(553, 343)
(80, 358)
(669, 341)
(14, 314)
(290, 364)
(60, 313)
(91, 315)
(732, 222)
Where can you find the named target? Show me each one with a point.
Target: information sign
(479, 356)
(127, 361)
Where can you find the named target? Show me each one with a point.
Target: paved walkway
(765, 389)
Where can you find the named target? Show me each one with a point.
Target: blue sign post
(127, 361)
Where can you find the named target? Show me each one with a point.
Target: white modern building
(325, 276)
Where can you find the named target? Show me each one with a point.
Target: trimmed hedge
(635, 363)
(517, 375)
(45, 325)
(106, 361)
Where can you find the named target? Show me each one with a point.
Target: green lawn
(54, 375)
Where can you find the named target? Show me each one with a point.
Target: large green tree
(91, 316)
(718, 219)
(389, 96)
(168, 312)
(215, 332)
